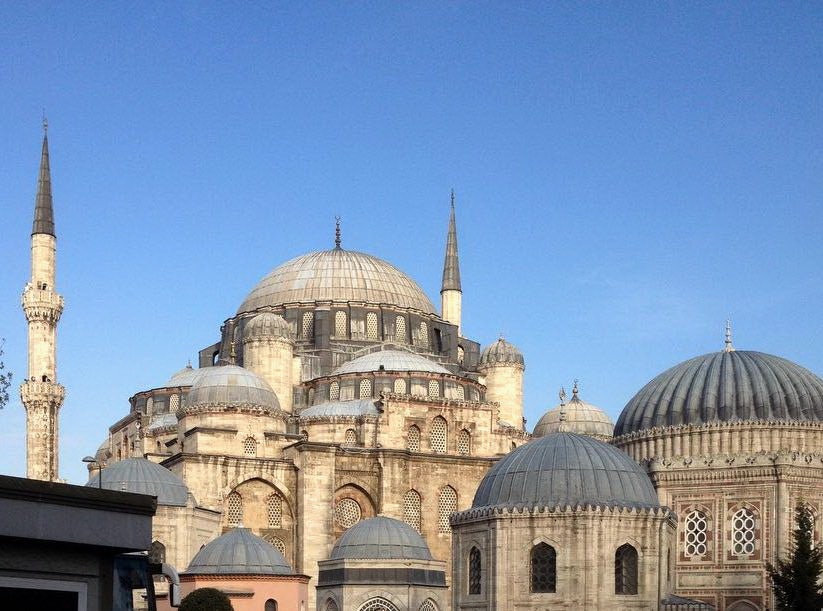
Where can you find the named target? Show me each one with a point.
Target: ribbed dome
(266, 324)
(142, 476)
(239, 552)
(231, 385)
(337, 275)
(353, 408)
(725, 386)
(576, 416)
(184, 377)
(566, 469)
(501, 352)
(381, 538)
(390, 360)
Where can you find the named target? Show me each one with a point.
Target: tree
(5, 378)
(206, 599)
(795, 580)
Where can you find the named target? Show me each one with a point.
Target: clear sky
(628, 175)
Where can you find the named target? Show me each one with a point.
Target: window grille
(461, 393)
(434, 388)
(250, 446)
(461, 354)
(271, 605)
(340, 324)
(696, 527)
(174, 403)
(743, 532)
(149, 405)
(365, 389)
(347, 512)
(439, 433)
(625, 570)
(304, 435)
(371, 326)
(446, 505)
(378, 604)
(424, 334)
(400, 386)
(400, 330)
(274, 509)
(331, 606)
(464, 443)
(334, 391)
(351, 437)
(308, 325)
(475, 571)
(276, 542)
(412, 514)
(543, 568)
(413, 444)
(428, 605)
(234, 509)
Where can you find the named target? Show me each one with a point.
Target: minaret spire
(43, 207)
(451, 291)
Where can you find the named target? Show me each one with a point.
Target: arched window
(378, 604)
(340, 324)
(304, 435)
(696, 535)
(625, 570)
(412, 514)
(434, 389)
(460, 393)
(365, 389)
(413, 443)
(371, 326)
(464, 443)
(543, 563)
(276, 542)
(157, 552)
(351, 437)
(400, 330)
(461, 354)
(334, 391)
(149, 405)
(234, 509)
(308, 325)
(400, 386)
(174, 403)
(439, 435)
(475, 571)
(446, 505)
(331, 605)
(347, 512)
(274, 510)
(743, 532)
(250, 446)
(424, 334)
(271, 605)
(428, 605)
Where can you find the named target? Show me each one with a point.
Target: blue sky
(628, 176)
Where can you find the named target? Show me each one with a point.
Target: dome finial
(728, 342)
(562, 395)
(337, 240)
(45, 123)
(575, 389)
(232, 354)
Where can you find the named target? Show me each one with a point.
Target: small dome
(231, 385)
(239, 552)
(390, 360)
(728, 386)
(336, 409)
(266, 324)
(576, 416)
(566, 469)
(501, 352)
(185, 377)
(142, 476)
(381, 538)
(337, 275)
(161, 421)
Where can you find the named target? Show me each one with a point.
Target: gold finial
(562, 395)
(728, 341)
(452, 198)
(337, 232)
(575, 389)
(45, 123)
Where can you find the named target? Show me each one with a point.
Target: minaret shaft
(451, 292)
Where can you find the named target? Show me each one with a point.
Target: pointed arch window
(308, 325)
(274, 510)
(434, 389)
(625, 570)
(276, 542)
(543, 568)
(475, 571)
(157, 552)
(371, 326)
(334, 391)
(428, 605)
(340, 324)
(413, 442)
(446, 505)
(400, 386)
(412, 514)
(743, 532)
(250, 446)
(331, 605)
(365, 389)
(464, 443)
(696, 535)
(424, 334)
(350, 438)
(234, 508)
(400, 330)
(439, 435)
(378, 604)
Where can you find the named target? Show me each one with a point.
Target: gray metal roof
(334, 409)
(451, 265)
(43, 208)
(142, 476)
(390, 360)
(501, 352)
(266, 324)
(231, 385)
(184, 377)
(725, 386)
(337, 275)
(563, 469)
(575, 416)
(381, 538)
(161, 421)
(239, 552)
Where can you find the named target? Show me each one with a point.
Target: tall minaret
(451, 294)
(42, 396)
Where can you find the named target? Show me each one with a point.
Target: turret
(502, 365)
(451, 293)
(268, 351)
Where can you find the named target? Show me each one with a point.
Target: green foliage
(796, 579)
(5, 378)
(206, 599)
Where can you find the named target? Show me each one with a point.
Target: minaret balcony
(42, 304)
(33, 393)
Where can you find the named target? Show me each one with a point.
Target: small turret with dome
(502, 366)
(268, 350)
(575, 416)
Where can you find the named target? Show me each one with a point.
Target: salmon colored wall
(291, 593)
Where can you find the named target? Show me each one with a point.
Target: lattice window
(378, 604)
(347, 512)
(446, 505)
(371, 326)
(439, 435)
(331, 606)
(412, 514)
(276, 542)
(250, 446)
(400, 330)
(149, 405)
(334, 391)
(174, 403)
(461, 354)
(308, 325)
(743, 532)
(271, 605)
(365, 389)
(543, 568)
(696, 527)
(304, 435)
(234, 509)
(351, 437)
(428, 605)
(340, 324)
(400, 386)
(424, 334)
(625, 570)
(475, 571)
(464, 443)
(434, 388)
(413, 443)
(274, 510)
(461, 393)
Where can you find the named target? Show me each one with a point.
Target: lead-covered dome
(231, 386)
(728, 386)
(239, 552)
(266, 325)
(184, 377)
(575, 416)
(337, 275)
(142, 476)
(501, 352)
(381, 538)
(565, 469)
(390, 360)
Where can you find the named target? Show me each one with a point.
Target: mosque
(343, 446)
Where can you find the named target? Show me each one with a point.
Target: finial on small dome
(188, 363)
(728, 342)
(232, 354)
(562, 395)
(337, 239)
(575, 389)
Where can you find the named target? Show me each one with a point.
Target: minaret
(42, 396)
(451, 293)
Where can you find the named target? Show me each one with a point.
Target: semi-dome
(728, 386)
(266, 324)
(575, 416)
(353, 408)
(231, 385)
(184, 377)
(390, 360)
(239, 552)
(337, 275)
(565, 469)
(501, 352)
(381, 538)
(142, 476)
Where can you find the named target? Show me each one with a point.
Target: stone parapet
(45, 393)
(41, 305)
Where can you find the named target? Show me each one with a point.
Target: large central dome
(337, 275)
